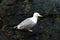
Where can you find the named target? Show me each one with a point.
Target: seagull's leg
(30, 30)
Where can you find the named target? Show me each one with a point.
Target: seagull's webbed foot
(30, 30)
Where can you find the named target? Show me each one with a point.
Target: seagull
(28, 23)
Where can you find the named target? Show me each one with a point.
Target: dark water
(12, 12)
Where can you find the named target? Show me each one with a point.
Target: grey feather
(26, 24)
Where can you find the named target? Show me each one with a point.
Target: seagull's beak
(40, 16)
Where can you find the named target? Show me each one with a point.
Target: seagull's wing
(27, 23)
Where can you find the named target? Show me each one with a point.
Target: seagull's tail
(15, 27)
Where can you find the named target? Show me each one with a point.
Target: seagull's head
(36, 14)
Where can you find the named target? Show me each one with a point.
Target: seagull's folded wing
(27, 23)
